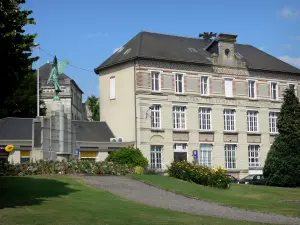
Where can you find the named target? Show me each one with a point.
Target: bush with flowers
(42, 167)
(203, 175)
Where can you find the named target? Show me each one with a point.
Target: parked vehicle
(233, 179)
(256, 179)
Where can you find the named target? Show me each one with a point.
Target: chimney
(223, 46)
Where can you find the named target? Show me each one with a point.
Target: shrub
(214, 177)
(128, 155)
(138, 170)
(66, 167)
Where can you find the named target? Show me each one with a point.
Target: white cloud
(288, 12)
(98, 34)
(297, 38)
(262, 48)
(291, 60)
(115, 49)
(286, 46)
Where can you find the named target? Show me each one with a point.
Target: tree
(93, 105)
(18, 80)
(282, 166)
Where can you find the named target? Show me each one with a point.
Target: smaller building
(71, 95)
(94, 140)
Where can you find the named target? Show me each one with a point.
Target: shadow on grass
(26, 191)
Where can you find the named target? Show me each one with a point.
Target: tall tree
(18, 92)
(282, 166)
(93, 105)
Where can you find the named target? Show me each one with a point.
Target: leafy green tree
(93, 105)
(282, 166)
(18, 91)
(128, 155)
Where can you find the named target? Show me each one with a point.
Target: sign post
(195, 156)
(78, 153)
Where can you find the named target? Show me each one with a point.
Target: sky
(87, 32)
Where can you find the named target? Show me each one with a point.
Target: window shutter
(228, 88)
(112, 88)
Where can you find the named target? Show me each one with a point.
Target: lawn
(67, 201)
(259, 198)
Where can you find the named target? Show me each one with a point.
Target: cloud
(291, 60)
(288, 12)
(115, 49)
(96, 35)
(297, 38)
(286, 46)
(261, 48)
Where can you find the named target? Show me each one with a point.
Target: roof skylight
(192, 50)
(239, 56)
(127, 51)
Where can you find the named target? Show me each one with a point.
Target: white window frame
(254, 94)
(271, 91)
(156, 114)
(232, 122)
(112, 88)
(153, 87)
(252, 120)
(202, 86)
(203, 159)
(179, 126)
(230, 156)
(155, 150)
(253, 154)
(177, 83)
(228, 79)
(183, 148)
(273, 129)
(207, 116)
(295, 87)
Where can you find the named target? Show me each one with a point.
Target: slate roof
(16, 128)
(63, 79)
(92, 131)
(13, 128)
(149, 45)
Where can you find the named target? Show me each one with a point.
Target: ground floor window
(88, 159)
(180, 152)
(253, 155)
(24, 159)
(156, 157)
(206, 154)
(3, 159)
(25, 156)
(230, 156)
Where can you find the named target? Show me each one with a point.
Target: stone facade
(253, 143)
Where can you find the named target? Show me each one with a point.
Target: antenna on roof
(207, 35)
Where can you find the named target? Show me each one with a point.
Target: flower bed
(65, 167)
(214, 177)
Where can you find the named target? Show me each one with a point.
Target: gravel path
(140, 192)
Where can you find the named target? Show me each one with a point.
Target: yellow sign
(9, 148)
(25, 153)
(88, 154)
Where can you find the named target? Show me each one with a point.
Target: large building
(171, 95)
(71, 95)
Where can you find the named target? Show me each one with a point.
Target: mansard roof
(171, 48)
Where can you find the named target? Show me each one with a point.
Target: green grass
(259, 198)
(66, 201)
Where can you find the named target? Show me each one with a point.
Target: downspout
(135, 117)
